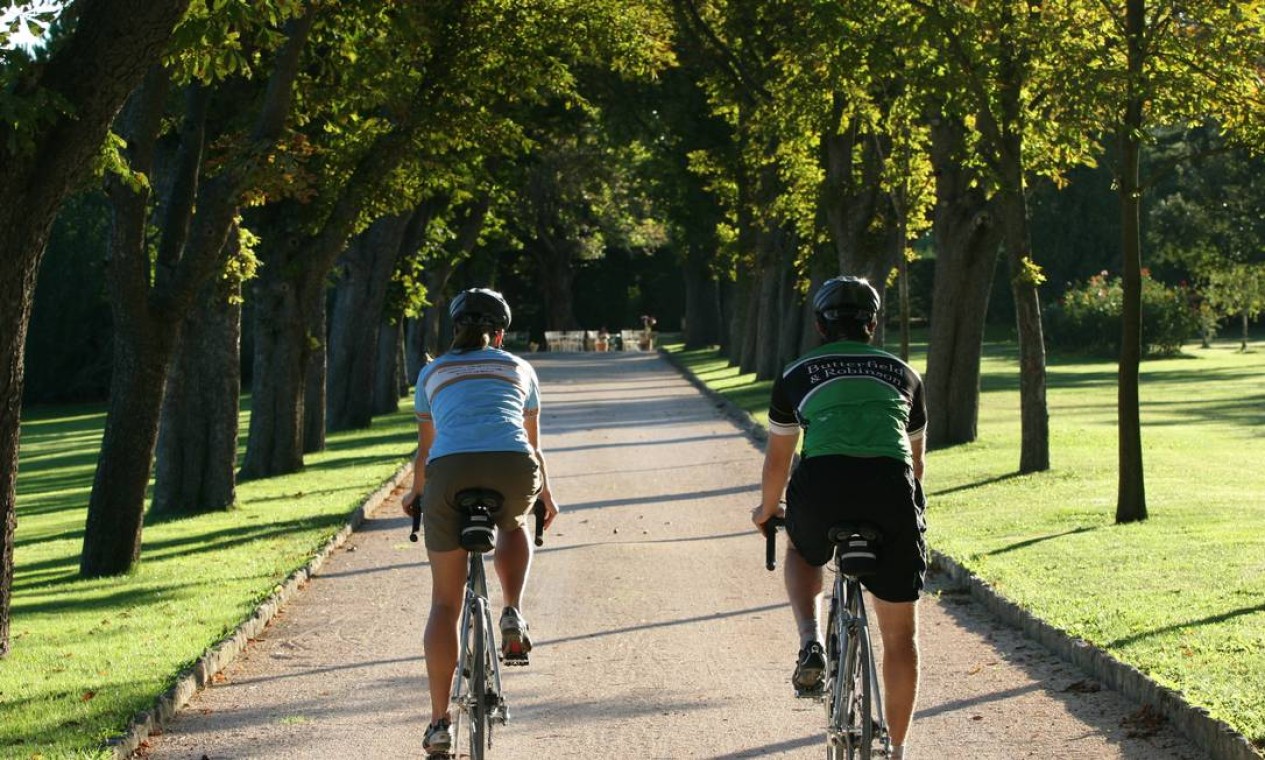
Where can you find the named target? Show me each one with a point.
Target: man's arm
(779, 452)
(919, 446)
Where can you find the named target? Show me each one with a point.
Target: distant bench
(593, 340)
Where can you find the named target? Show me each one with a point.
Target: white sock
(898, 752)
(808, 633)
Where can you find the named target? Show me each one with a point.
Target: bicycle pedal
(818, 693)
(519, 659)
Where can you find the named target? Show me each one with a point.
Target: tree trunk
(967, 240)
(414, 347)
(702, 303)
(144, 340)
(197, 440)
(359, 297)
(792, 309)
(1034, 415)
(555, 257)
(92, 73)
(852, 178)
(389, 380)
(275, 440)
(314, 378)
(750, 323)
(1007, 134)
(1131, 493)
(769, 313)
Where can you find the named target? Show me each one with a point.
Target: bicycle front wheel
(478, 680)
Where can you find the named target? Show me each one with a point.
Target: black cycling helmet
(480, 306)
(846, 298)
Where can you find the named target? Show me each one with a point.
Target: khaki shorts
(515, 474)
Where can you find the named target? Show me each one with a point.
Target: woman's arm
(531, 423)
(425, 437)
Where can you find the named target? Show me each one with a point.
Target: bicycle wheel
(478, 680)
(834, 684)
(858, 728)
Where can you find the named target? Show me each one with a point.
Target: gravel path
(659, 633)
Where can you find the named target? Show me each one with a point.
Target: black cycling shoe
(810, 669)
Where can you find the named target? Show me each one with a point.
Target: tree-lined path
(659, 633)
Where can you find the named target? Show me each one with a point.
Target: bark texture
(1131, 490)
(112, 46)
(359, 298)
(197, 438)
(967, 239)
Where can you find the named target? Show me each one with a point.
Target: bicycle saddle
(471, 498)
(841, 532)
(477, 507)
(856, 547)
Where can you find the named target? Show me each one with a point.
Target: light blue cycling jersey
(477, 400)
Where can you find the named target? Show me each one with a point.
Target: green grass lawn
(88, 655)
(1181, 595)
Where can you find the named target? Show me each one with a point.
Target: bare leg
(448, 580)
(803, 588)
(898, 624)
(513, 561)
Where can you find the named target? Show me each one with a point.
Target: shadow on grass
(1039, 539)
(94, 600)
(403, 435)
(1190, 624)
(976, 484)
(64, 569)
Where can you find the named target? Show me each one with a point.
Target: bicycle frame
(848, 644)
(476, 633)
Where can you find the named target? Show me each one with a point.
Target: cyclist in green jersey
(863, 417)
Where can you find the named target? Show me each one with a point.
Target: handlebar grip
(770, 541)
(417, 518)
(538, 509)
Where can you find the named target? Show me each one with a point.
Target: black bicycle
(476, 690)
(854, 701)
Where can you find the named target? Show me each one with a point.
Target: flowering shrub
(1087, 318)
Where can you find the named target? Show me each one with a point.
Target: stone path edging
(219, 655)
(1216, 737)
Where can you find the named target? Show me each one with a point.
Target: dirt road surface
(659, 634)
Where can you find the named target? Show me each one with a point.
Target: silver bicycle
(476, 689)
(855, 725)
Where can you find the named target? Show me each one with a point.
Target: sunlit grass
(1181, 595)
(88, 655)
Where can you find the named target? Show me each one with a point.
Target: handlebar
(770, 541)
(417, 518)
(538, 509)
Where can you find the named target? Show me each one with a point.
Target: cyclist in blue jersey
(863, 418)
(478, 411)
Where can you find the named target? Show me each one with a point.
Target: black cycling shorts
(826, 490)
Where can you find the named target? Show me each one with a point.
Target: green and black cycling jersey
(850, 398)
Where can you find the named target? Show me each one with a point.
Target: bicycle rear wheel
(858, 727)
(478, 679)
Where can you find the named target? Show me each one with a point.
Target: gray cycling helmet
(846, 298)
(480, 306)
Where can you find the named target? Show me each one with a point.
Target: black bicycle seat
(839, 533)
(471, 498)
